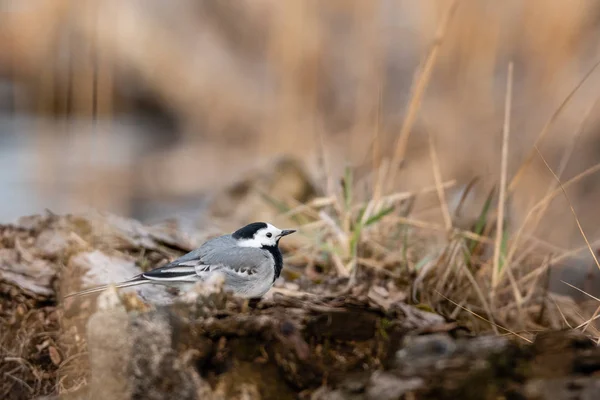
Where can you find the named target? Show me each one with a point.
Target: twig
(417, 93)
(589, 321)
(546, 127)
(376, 154)
(437, 176)
(560, 312)
(587, 242)
(483, 319)
(541, 204)
(547, 198)
(570, 253)
(480, 295)
(292, 293)
(503, 174)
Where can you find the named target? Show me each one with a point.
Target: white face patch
(263, 237)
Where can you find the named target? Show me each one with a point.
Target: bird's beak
(286, 232)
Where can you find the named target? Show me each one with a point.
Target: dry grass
(314, 82)
(29, 355)
(451, 272)
(465, 273)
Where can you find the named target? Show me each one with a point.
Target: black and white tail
(138, 280)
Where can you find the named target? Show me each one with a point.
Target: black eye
(269, 234)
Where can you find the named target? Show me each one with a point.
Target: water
(76, 162)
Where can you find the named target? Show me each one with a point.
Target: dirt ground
(329, 342)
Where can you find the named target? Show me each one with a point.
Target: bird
(248, 260)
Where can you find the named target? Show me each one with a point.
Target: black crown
(248, 231)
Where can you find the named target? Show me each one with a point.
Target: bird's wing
(223, 256)
(235, 259)
(184, 268)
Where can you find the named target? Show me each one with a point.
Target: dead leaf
(54, 355)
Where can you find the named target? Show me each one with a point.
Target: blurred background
(147, 108)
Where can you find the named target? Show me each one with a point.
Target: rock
(35, 276)
(385, 386)
(109, 347)
(423, 352)
(52, 243)
(95, 268)
(156, 371)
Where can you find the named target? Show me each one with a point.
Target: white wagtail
(249, 261)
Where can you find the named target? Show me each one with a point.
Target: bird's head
(260, 234)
